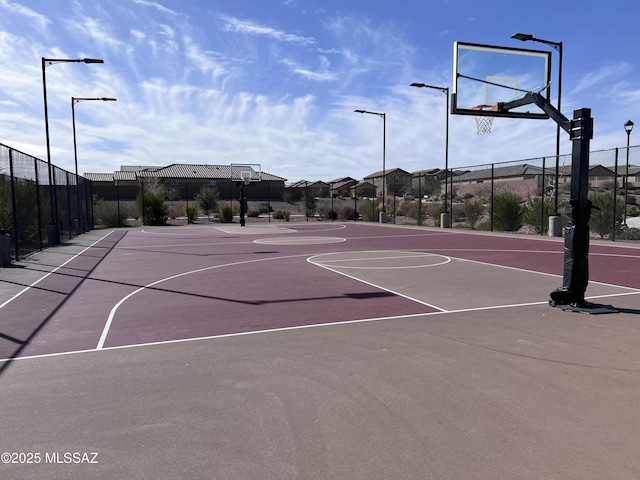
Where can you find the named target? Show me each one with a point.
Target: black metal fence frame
(616, 159)
(25, 202)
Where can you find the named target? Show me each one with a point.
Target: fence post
(615, 198)
(14, 210)
(492, 195)
(38, 202)
(544, 160)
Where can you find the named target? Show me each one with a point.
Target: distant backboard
(246, 172)
(485, 75)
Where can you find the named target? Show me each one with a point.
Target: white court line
(112, 313)
(310, 260)
(53, 271)
(410, 255)
(518, 269)
(286, 329)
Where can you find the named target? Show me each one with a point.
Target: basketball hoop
(483, 123)
(246, 177)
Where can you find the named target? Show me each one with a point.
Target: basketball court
(317, 350)
(327, 350)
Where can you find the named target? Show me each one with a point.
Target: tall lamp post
(52, 232)
(557, 46)
(444, 90)
(628, 126)
(75, 100)
(383, 214)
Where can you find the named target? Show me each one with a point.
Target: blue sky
(275, 82)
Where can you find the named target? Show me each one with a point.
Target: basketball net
(483, 124)
(246, 177)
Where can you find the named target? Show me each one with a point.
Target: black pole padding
(578, 210)
(575, 276)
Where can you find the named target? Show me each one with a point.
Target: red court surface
(318, 350)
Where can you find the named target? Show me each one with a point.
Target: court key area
(317, 350)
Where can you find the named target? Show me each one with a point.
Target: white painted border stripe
(286, 329)
(53, 271)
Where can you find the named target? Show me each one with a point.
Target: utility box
(555, 226)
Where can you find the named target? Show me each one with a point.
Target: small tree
(473, 212)
(152, 208)
(207, 199)
(507, 212)
(310, 204)
(191, 212)
(367, 209)
(602, 221)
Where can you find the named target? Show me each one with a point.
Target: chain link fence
(524, 194)
(30, 203)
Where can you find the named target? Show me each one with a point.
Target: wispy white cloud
(138, 35)
(94, 29)
(41, 20)
(606, 73)
(156, 5)
(322, 75)
(203, 60)
(236, 25)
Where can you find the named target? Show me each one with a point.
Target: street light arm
(528, 37)
(371, 113)
(84, 99)
(50, 61)
(444, 90)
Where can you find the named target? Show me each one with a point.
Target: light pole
(444, 90)
(628, 126)
(53, 233)
(383, 217)
(557, 46)
(75, 100)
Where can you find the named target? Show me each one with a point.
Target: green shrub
(331, 215)
(347, 213)
(191, 212)
(155, 211)
(226, 213)
(368, 210)
(434, 211)
(473, 212)
(630, 234)
(265, 208)
(602, 221)
(282, 215)
(507, 212)
(253, 213)
(106, 213)
(532, 215)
